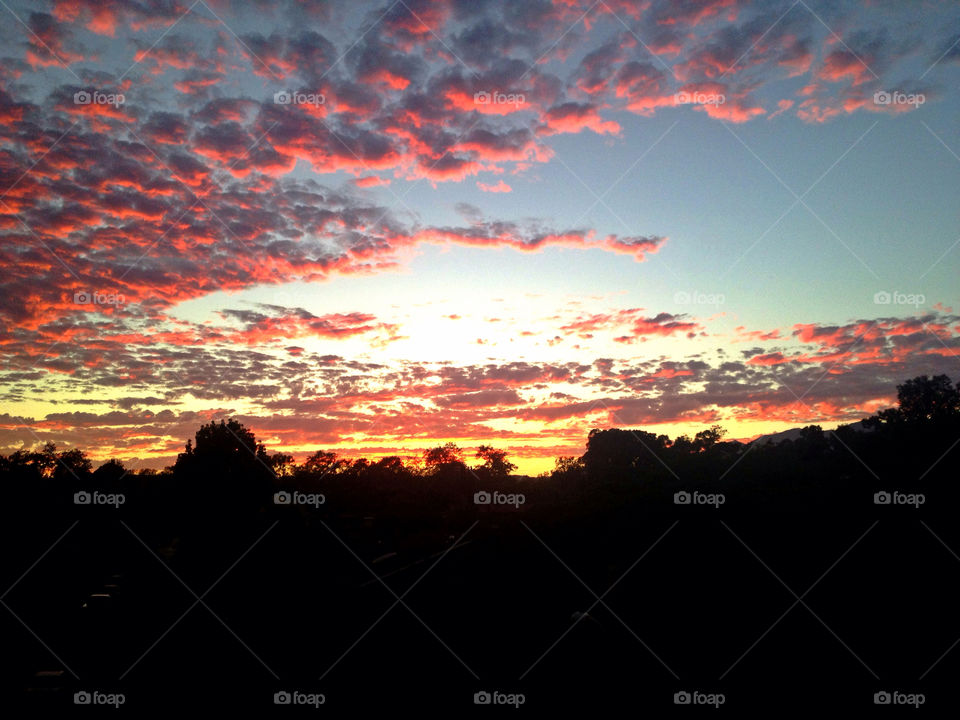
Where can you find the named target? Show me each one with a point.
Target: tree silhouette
(924, 399)
(72, 466)
(282, 464)
(391, 464)
(227, 448)
(324, 463)
(618, 454)
(706, 439)
(495, 463)
(443, 456)
(568, 464)
(31, 464)
(226, 468)
(109, 473)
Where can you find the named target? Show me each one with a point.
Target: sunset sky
(374, 227)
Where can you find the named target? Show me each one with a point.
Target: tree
(281, 463)
(812, 435)
(108, 473)
(391, 464)
(568, 471)
(568, 464)
(324, 463)
(495, 462)
(924, 399)
(227, 447)
(26, 465)
(71, 466)
(891, 417)
(359, 466)
(43, 460)
(225, 466)
(617, 454)
(443, 455)
(706, 439)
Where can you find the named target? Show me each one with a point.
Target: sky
(376, 227)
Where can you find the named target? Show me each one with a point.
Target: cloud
(369, 181)
(571, 117)
(633, 324)
(499, 187)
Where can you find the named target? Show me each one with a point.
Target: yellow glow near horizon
(475, 331)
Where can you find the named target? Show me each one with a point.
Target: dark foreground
(770, 610)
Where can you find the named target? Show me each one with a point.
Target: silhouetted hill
(795, 433)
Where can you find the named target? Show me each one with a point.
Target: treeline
(226, 470)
